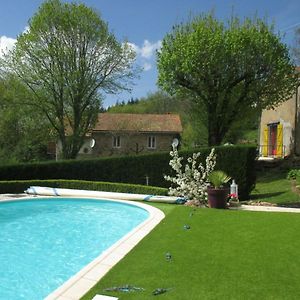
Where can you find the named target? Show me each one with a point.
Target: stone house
(280, 129)
(124, 134)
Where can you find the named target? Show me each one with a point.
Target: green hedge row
(237, 161)
(19, 186)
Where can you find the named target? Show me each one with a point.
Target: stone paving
(242, 207)
(12, 196)
(267, 208)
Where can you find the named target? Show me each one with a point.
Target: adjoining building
(125, 134)
(280, 129)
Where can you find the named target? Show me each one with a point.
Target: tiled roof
(138, 122)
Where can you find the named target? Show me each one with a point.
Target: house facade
(125, 134)
(280, 129)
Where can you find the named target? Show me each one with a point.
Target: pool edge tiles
(79, 284)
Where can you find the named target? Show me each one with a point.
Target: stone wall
(285, 115)
(130, 143)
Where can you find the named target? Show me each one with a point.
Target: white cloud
(145, 53)
(147, 50)
(6, 44)
(147, 66)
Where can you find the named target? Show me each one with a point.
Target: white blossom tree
(191, 180)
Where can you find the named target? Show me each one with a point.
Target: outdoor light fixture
(175, 143)
(234, 189)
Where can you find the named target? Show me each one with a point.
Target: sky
(144, 23)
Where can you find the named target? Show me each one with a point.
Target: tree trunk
(217, 128)
(70, 146)
(214, 139)
(214, 136)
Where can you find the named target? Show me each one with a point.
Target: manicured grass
(224, 255)
(272, 186)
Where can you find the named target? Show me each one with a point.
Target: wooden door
(272, 140)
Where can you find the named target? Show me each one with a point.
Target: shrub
(293, 174)
(218, 179)
(237, 161)
(19, 186)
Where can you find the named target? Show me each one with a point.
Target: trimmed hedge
(19, 186)
(237, 161)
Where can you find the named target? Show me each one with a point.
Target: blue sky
(144, 23)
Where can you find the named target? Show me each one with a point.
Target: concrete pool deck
(266, 208)
(86, 278)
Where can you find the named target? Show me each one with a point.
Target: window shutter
(265, 142)
(279, 146)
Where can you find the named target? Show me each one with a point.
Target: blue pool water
(43, 242)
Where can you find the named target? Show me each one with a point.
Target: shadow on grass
(265, 195)
(269, 177)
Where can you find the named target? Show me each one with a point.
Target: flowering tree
(191, 180)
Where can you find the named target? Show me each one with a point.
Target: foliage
(245, 129)
(226, 68)
(24, 132)
(249, 254)
(191, 180)
(237, 161)
(66, 58)
(293, 174)
(218, 178)
(19, 186)
(157, 102)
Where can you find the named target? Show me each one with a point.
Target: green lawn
(272, 186)
(224, 255)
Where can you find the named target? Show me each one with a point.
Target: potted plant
(217, 192)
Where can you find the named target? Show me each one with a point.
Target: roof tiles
(138, 122)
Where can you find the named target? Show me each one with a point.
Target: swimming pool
(43, 242)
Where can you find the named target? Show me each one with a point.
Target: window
(151, 142)
(116, 141)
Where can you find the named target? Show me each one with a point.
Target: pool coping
(266, 208)
(80, 283)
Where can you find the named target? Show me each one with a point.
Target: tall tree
(226, 68)
(24, 131)
(66, 58)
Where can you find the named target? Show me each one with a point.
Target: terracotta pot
(217, 198)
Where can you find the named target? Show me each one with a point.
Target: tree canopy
(226, 68)
(24, 132)
(68, 59)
